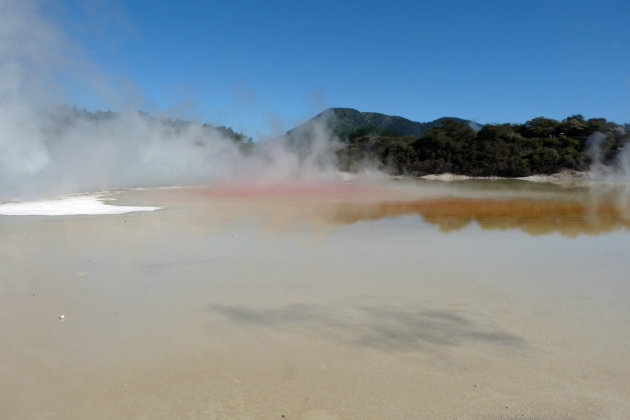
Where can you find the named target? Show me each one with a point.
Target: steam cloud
(46, 148)
(617, 169)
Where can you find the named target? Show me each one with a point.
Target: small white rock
(62, 317)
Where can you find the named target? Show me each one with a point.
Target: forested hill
(539, 146)
(403, 147)
(61, 119)
(348, 122)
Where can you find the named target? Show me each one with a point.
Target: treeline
(62, 118)
(540, 146)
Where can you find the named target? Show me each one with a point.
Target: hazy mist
(48, 148)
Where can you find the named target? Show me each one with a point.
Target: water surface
(399, 300)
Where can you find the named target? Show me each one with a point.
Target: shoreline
(99, 202)
(563, 177)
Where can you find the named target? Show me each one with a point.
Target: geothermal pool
(397, 300)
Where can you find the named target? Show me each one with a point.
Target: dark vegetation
(403, 147)
(539, 146)
(350, 123)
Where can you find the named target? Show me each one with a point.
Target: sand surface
(489, 300)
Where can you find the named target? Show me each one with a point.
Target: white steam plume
(610, 181)
(49, 149)
(601, 170)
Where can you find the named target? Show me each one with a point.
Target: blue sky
(261, 67)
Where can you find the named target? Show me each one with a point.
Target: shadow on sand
(380, 326)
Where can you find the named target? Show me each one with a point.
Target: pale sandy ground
(284, 306)
(567, 177)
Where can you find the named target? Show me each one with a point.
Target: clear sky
(263, 66)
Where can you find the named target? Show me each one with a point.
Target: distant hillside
(539, 146)
(348, 123)
(62, 118)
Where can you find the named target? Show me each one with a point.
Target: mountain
(400, 146)
(348, 122)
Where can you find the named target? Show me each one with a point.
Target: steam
(47, 148)
(610, 177)
(63, 150)
(604, 168)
